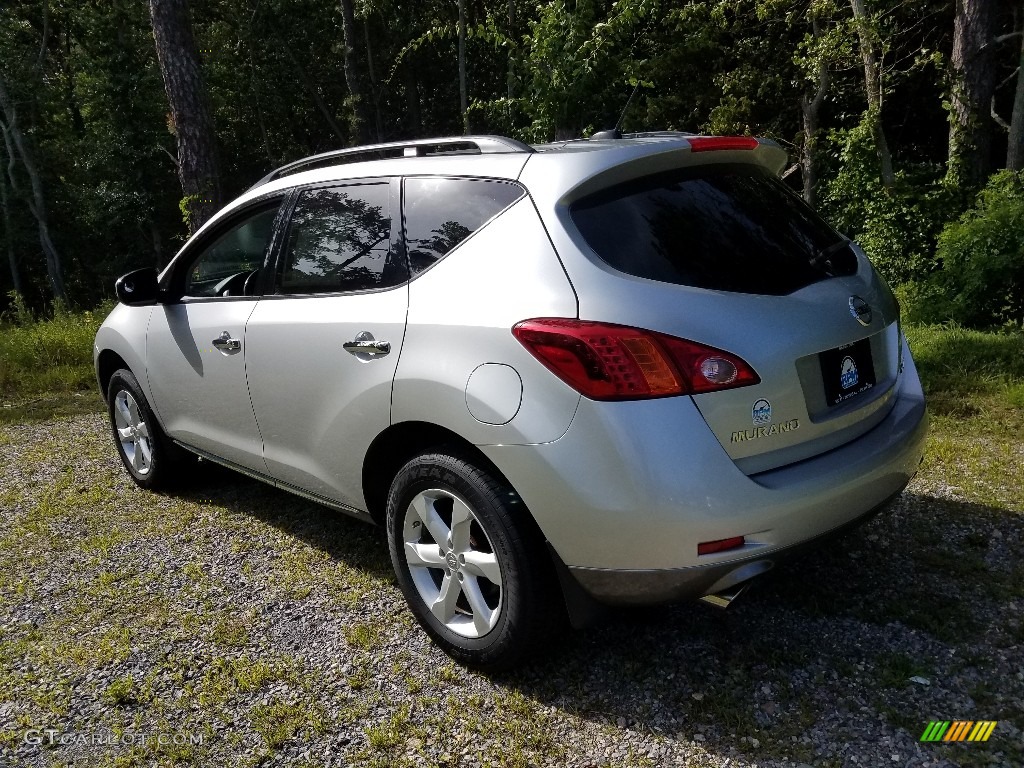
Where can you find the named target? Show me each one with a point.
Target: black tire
(521, 608)
(148, 455)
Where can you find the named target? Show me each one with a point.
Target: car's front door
(321, 351)
(195, 345)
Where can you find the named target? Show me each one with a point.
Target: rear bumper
(646, 587)
(631, 489)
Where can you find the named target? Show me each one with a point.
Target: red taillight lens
(615, 362)
(709, 547)
(721, 143)
(708, 369)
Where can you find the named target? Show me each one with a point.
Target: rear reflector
(709, 547)
(721, 143)
(615, 362)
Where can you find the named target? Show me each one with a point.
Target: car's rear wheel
(469, 560)
(149, 456)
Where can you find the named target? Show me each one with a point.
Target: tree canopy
(895, 114)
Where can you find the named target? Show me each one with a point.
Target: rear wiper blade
(825, 254)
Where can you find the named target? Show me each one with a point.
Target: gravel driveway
(231, 624)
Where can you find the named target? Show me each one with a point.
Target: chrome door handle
(364, 344)
(225, 343)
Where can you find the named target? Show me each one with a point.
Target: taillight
(721, 143)
(615, 362)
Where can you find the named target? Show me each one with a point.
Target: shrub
(896, 227)
(980, 280)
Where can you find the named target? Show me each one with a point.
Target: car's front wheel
(469, 560)
(149, 456)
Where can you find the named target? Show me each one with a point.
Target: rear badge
(860, 310)
(761, 414)
(848, 373)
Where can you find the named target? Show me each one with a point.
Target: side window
(441, 213)
(230, 266)
(340, 240)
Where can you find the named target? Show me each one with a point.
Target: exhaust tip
(726, 597)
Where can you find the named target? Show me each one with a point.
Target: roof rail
(470, 145)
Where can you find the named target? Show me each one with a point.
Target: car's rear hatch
(725, 255)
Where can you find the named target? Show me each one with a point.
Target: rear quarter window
(439, 213)
(723, 227)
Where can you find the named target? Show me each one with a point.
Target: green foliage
(47, 356)
(279, 721)
(980, 281)
(92, 105)
(570, 61)
(960, 362)
(122, 692)
(186, 206)
(897, 227)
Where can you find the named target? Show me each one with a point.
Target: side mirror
(138, 288)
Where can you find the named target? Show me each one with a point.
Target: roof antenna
(615, 133)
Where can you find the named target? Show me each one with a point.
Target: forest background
(126, 123)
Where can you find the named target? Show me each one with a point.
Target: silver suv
(622, 370)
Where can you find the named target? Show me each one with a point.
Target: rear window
(723, 227)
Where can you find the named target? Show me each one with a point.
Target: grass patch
(894, 670)
(952, 359)
(224, 678)
(122, 692)
(389, 734)
(362, 635)
(278, 722)
(46, 365)
(230, 632)
(974, 381)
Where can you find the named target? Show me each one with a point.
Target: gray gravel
(270, 631)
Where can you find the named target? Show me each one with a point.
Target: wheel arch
(397, 444)
(108, 362)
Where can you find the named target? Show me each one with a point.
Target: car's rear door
(195, 349)
(323, 347)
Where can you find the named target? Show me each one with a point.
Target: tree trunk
(511, 33)
(811, 110)
(158, 244)
(190, 111)
(374, 89)
(16, 148)
(973, 83)
(12, 260)
(309, 85)
(873, 88)
(412, 99)
(353, 72)
(264, 136)
(1015, 150)
(463, 100)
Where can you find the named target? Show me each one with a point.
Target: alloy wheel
(452, 563)
(133, 433)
